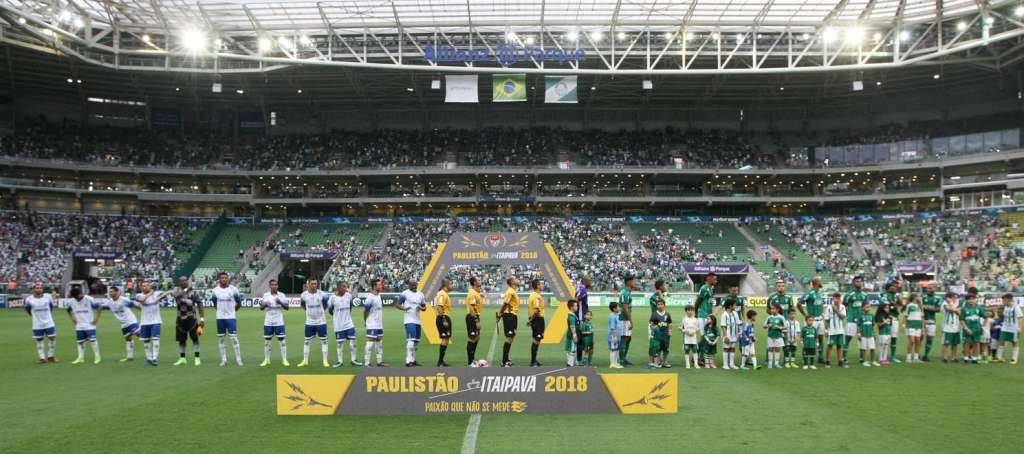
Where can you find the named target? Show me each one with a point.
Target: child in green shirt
(809, 333)
(587, 331)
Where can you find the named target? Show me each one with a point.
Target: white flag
(461, 89)
(560, 89)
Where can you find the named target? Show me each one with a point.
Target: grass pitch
(115, 407)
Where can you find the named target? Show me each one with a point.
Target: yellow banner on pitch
(311, 394)
(644, 393)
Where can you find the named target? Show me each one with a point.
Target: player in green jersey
(587, 331)
(913, 324)
(811, 306)
(572, 335)
(626, 317)
(810, 336)
(706, 304)
(931, 304)
(661, 333)
(866, 331)
(972, 316)
(854, 300)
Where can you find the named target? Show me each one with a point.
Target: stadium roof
(667, 37)
(300, 14)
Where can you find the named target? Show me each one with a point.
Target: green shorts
(950, 338)
(1007, 336)
(837, 340)
(570, 346)
(972, 338)
(588, 342)
(657, 346)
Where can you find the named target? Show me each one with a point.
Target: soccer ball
(480, 363)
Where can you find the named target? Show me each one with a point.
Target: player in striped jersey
(274, 303)
(40, 309)
(835, 319)
(315, 303)
(931, 304)
(913, 323)
(85, 314)
(443, 306)
(1010, 331)
(730, 324)
(950, 327)
(121, 308)
(150, 323)
(344, 327)
(474, 302)
(792, 340)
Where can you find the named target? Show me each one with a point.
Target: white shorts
(819, 326)
(884, 340)
(895, 331)
(776, 343)
(851, 329)
(985, 340)
(867, 343)
(748, 350)
(625, 329)
(728, 344)
(914, 332)
(929, 328)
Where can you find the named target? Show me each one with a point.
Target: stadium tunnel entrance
(298, 267)
(470, 249)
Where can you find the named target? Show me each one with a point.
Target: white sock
(366, 353)
(41, 349)
(352, 348)
(237, 346)
(613, 357)
(147, 349)
(753, 361)
(266, 349)
(129, 349)
(284, 348)
(379, 345)
(570, 357)
(81, 350)
(51, 347)
(156, 349)
(732, 360)
(410, 351)
(223, 348)
(95, 348)
(341, 352)
(324, 348)
(1016, 351)
(305, 349)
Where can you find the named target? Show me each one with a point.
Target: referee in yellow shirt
(443, 306)
(474, 302)
(535, 311)
(509, 314)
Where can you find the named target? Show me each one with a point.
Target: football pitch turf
(116, 407)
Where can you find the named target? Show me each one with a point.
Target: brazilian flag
(509, 88)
